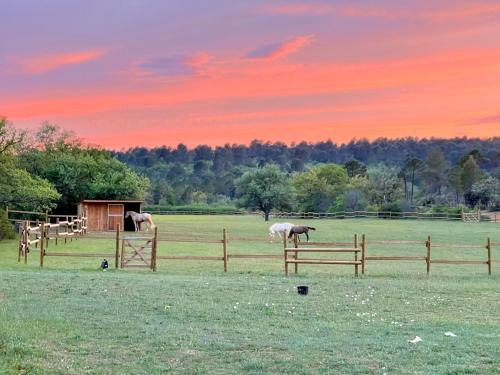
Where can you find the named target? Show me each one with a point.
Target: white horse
(140, 218)
(279, 228)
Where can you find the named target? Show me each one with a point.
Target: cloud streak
(174, 65)
(275, 51)
(46, 63)
(319, 9)
(494, 119)
(457, 11)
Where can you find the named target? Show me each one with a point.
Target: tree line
(50, 168)
(402, 174)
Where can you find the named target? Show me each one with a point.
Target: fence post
(38, 225)
(122, 255)
(117, 245)
(488, 247)
(363, 253)
(356, 254)
(42, 242)
(428, 258)
(47, 235)
(57, 230)
(224, 247)
(296, 245)
(21, 236)
(153, 250)
(285, 257)
(26, 237)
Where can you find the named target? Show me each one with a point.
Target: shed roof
(111, 201)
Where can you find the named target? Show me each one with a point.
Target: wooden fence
(475, 216)
(223, 241)
(33, 233)
(35, 237)
(427, 256)
(321, 247)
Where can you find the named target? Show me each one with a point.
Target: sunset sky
(122, 73)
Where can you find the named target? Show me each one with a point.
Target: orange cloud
(198, 59)
(317, 9)
(456, 11)
(248, 81)
(276, 50)
(47, 63)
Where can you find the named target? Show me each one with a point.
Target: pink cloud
(198, 59)
(47, 63)
(492, 119)
(318, 9)
(277, 50)
(458, 11)
(462, 11)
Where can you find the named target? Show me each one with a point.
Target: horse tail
(311, 228)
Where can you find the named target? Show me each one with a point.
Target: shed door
(116, 214)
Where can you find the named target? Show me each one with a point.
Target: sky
(125, 73)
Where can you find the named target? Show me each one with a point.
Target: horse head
(127, 214)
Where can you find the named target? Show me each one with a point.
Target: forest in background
(51, 169)
(401, 174)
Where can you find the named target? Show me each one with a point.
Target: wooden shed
(103, 215)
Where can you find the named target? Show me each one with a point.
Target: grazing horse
(278, 228)
(304, 229)
(140, 218)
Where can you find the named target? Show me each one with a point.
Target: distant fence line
(368, 214)
(475, 216)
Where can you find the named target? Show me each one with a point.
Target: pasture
(191, 317)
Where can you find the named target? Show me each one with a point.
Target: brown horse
(302, 229)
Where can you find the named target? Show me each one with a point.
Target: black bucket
(302, 289)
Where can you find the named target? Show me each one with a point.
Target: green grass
(190, 317)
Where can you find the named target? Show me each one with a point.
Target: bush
(390, 210)
(6, 229)
(195, 209)
(444, 209)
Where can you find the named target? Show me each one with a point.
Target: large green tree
(318, 188)
(79, 172)
(264, 189)
(19, 189)
(435, 172)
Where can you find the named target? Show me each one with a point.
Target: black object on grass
(302, 289)
(104, 264)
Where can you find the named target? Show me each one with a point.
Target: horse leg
(307, 236)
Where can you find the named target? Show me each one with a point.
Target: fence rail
(368, 214)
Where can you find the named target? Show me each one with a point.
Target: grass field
(191, 317)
